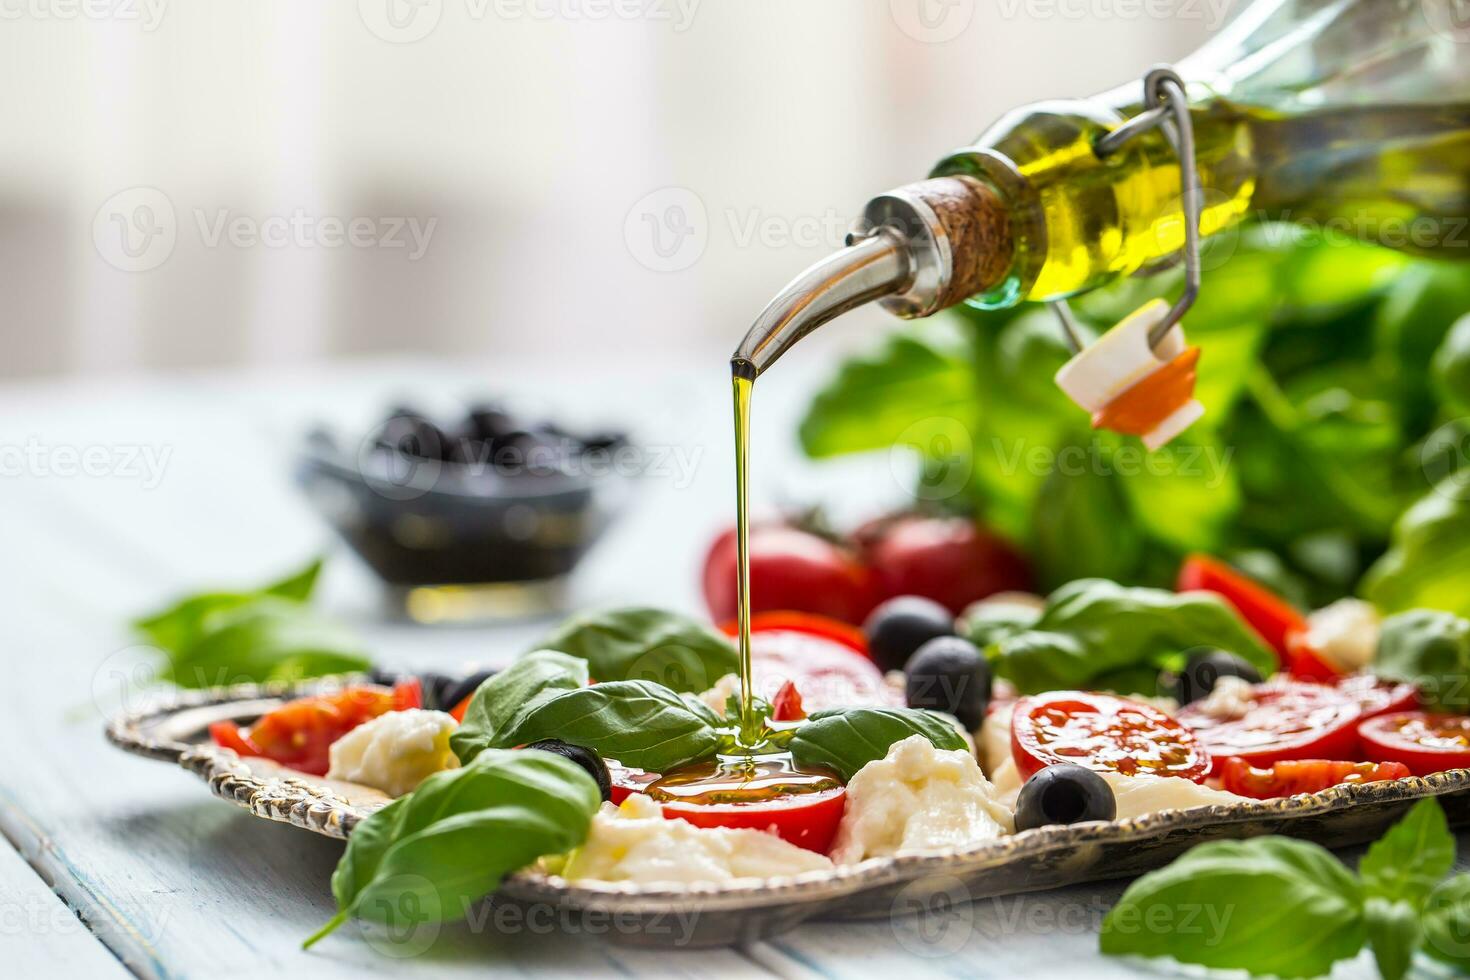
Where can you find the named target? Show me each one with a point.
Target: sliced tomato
(1378, 697)
(627, 780)
(1426, 743)
(408, 693)
(228, 735)
(1306, 662)
(826, 660)
(1302, 776)
(299, 733)
(1287, 719)
(1104, 733)
(457, 712)
(808, 820)
(1268, 614)
(786, 705)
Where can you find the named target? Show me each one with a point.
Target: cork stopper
(978, 227)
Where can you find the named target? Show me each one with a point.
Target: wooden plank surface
(177, 883)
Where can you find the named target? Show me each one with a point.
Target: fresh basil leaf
(1428, 564)
(1431, 649)
(1082, 526)
(1451, 366)
(427, 857)
(180, 625)
(640, 644)
(1447, 922)
(1092, 628)
(507, 697)
(1407, 862)
(1412, 325)
(638, 723)
(876, 398)
(1183, 496)
(1394, 934)
(1269, 905)
(985, 623)
(265, 640)
(846, 739)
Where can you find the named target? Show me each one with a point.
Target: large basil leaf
(1094, 628)
(505, 698)
(846, 739)
(1451, 366)
(644, 644)
(427, 857)
(265, 640)
(1428, 565)
(1269, 905)
(1082, 527)
(180, 625)
(1406, 863)
(1447, 922)
(1394, 933)
(1430, 649)
(638, 723)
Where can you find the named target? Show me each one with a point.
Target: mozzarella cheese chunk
(719, 695)
(1229, 700)
(634, 842)
(395, 751)
(918, 798)
(1345, 633)
(1140, 795)
(995, 738)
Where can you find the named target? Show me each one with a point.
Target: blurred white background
(268, 183)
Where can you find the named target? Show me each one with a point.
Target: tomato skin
(1289, 778)
(786, 705)
(1267, 613)
(1288, 720)
(227, 734)
(1104, 733)
(808, 820)
(948, 559)
(1425, 743)
(790, 569)
(458, 711)
(802, 622)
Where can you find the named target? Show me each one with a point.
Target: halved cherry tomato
(1103, 733)
(299, 733)
(1426, 743)
(1302, 776)
(802, 622)
(807, 820)
(1305, 661)
(1378, 697)
(228, 735)
(821, 657)
(786, 705)
(457, 712)
(627, 780)
(1268, 614)
(1287, 719)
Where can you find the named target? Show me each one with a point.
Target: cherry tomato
(789, 569)
(947, 559)
(1287, 720)
(1103, 733)
(786, 705)
(299, 733)
(1426, 743)
(1268, 614)
(807, 820)
(457, 712)
(1306, 662)
(1289, 778)
(827, 661)
(627, 780)
(228, 735)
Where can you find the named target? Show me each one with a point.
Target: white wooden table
(115, 863)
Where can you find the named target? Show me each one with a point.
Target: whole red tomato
(947, 559)
(789, 569)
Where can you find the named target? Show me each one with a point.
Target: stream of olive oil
(744, 383)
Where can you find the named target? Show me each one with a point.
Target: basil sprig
(427, 857)
(1275, 906)
(846, 739)
(642, 644)
(506, 697)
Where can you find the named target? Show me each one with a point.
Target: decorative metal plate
(175, 729)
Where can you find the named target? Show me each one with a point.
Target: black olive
(900, 626)
(1064, 794)
(410, 434)
(583, 757)
(460, 688)
(1203, 669)
(490, 422)
(383, 676)
(949, 673)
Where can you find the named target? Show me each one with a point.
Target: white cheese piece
(918, 798)
(717, 696)
(1139, 795)
(995, 738)
(635, 843)
(1121, 358)
(1345, 633)
(395, 751)
(1228, 700)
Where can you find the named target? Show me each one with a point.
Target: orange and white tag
(1132, 388)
